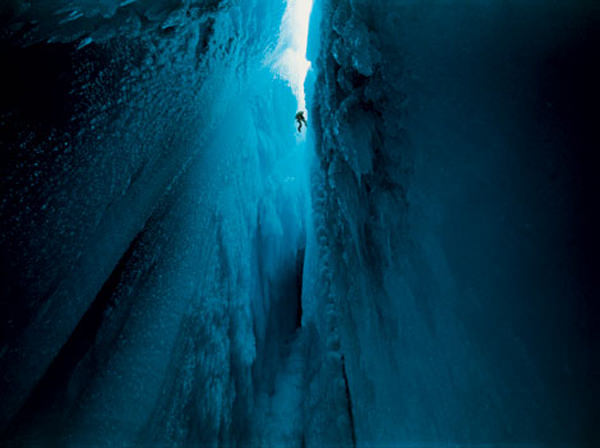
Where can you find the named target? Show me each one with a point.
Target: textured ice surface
(152, 199)
(87, 20)
(288, 59)
(171, 276)
(451, 300)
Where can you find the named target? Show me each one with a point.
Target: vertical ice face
(454, 140)
(152, 227)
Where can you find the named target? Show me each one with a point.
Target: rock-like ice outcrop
(442, 213)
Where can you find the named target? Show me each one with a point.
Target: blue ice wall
(152, 230)
(178, 268)
(453, 203)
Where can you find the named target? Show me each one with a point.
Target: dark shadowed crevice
(349, 402)
(299, 279)
(37, 83)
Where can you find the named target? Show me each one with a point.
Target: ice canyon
(415, 267)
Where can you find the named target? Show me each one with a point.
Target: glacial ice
(183, 174)
(180, 267)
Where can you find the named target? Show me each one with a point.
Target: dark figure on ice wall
(300, 119)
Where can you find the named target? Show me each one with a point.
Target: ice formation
(289, 57)
(178, 268)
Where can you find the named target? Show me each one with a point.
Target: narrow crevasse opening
(288, 60)
(205, 242)
(278, 372)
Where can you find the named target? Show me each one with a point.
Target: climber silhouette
(300, 119)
